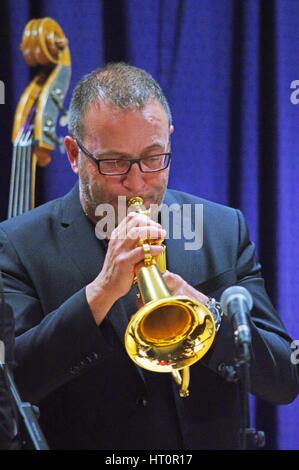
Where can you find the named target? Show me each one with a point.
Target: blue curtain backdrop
(226, 67)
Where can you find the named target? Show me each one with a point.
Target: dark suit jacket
(90, 393)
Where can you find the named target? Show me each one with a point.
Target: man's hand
(178, 286)
(123, 254)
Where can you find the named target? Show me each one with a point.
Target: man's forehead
(106, 123)
(112, 111)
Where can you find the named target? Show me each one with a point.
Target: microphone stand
(239, 372)
(27, 411)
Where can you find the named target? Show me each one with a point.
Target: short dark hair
(125, 86)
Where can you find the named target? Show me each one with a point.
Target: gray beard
(87, 203)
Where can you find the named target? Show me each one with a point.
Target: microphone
(236, 303)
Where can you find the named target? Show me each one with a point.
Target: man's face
(110, 132)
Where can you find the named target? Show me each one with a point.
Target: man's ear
(171, 130)
(72, 152)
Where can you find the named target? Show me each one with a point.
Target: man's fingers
(173, 281)
(144, 233)
(178, 286)
(133, 220)
(137, 254)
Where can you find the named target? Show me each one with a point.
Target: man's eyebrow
(154, 145)
(107, 152)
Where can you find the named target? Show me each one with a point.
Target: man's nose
(134, 180)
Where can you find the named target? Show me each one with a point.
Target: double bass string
(15, 176)
(12, 180)
(20, 184)
(20, 181)
(28, 173)
(24, 188)
(26, 177)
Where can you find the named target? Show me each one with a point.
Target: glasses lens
(112, 167)
(158, 162)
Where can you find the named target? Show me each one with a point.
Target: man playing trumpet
(73, 293)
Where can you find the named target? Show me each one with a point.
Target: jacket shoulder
(215, 208)
(34, 218)
(65, 207)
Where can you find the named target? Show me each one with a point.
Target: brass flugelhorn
(168, 333)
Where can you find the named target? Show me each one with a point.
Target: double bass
(45, 47)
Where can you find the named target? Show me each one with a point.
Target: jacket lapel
(78, 238)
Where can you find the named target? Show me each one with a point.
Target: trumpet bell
(169, 334)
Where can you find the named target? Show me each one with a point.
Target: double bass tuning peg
(56, 97)
(58, 141)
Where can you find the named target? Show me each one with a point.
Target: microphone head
(235, 292)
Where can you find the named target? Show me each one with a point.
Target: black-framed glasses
(122, 166)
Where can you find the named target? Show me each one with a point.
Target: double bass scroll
(45, 47)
